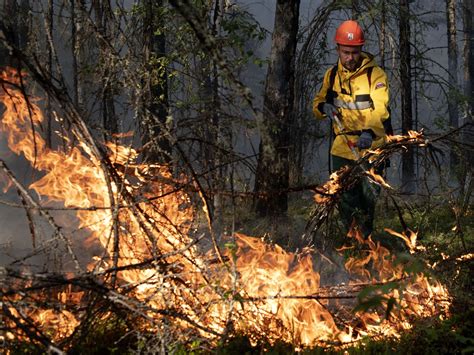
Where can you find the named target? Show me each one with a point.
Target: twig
(24, 193)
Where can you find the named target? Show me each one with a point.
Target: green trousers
(357, 205)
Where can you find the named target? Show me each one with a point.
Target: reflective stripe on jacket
(360, 107)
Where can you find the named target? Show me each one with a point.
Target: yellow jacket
(358, 111)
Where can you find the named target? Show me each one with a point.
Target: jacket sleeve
(320, 97)
(379, 92)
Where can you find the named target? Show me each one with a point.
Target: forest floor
(447, 240)
(446, 235)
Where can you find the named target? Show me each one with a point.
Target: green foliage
(21, 347)
(452, 336)
(240, 344)
(105, 336)
(376, 296)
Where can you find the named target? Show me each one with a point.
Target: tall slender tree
(49, 25)
(211, 113)
(77, 24)
(103, 15)
(468, 72)
(153, 125)
(272, 178)
(453, 111)
(408, 158)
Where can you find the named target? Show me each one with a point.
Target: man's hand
(330, 110)
(365, 140)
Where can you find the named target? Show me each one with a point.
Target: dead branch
(25, 194)
(349, 176)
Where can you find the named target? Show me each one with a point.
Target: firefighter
(356, 90)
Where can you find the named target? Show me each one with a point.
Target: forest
(167, 188)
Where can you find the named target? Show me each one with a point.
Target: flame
(378, 178)
(409, 237)
(76, 179)
(331, 187)
(415, 135)
(415, 296)
(141, 221)
(278, 278)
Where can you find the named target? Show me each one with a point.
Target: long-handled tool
(335, 118)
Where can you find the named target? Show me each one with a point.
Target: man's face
(350, 56)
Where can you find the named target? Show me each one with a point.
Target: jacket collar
(367, 61)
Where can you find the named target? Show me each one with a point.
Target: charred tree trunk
(408, 158)
(155, 133)
(468, 60)
(77, 23)
(453, 112)
(103, 16)
(272, 178)
(49, 22)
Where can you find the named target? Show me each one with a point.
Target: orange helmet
(349, 33)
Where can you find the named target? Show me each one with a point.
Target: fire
(76, 179)
(331, 187)
(378, 178)
(144, 228)
(277, 279)
(411, 135)
(409, 237)
(414, 295)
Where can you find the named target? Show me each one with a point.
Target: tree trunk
(155, 134)
(77, 23)
(220, 169)
(453, 73)
(213, 130)
(102, 12)
(272, 178)
(468, 60)
(408, 158)
(49, 24)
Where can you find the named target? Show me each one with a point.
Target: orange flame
(264, 289)
(331, 187)
(378, 178)
(416, 296)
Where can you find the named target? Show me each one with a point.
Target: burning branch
(344, 179)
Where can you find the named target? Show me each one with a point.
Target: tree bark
(213, 129)
(49, 67)
(154, 131)
(220, 168)
(453, 72)
(272, 178)
(408, 158)
(77, 23)
(468, 60)
(102, 10)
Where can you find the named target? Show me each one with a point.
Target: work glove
(365, 140)
(329, 109)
